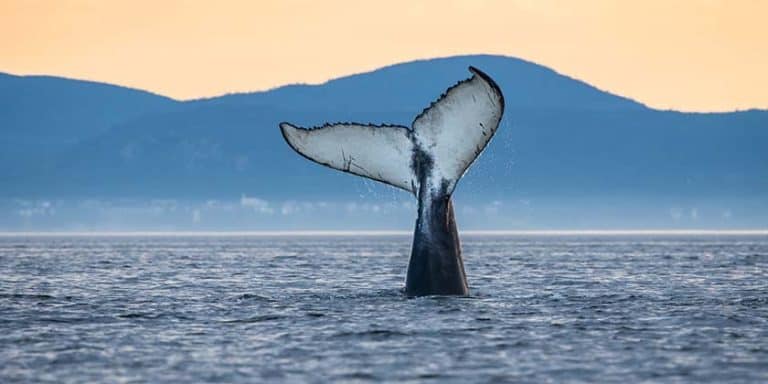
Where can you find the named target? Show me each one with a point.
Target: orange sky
(704, 55)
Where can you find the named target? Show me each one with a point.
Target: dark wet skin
(436, 266)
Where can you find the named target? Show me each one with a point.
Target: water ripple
(313, 309)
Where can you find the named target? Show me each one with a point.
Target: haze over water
(572, 308)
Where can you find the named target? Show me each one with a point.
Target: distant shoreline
(310, 233)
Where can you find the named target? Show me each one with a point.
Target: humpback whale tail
(427, 160)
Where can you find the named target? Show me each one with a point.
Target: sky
(690, 55)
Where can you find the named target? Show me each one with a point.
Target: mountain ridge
(84, 81)
(411, 62)
(368, 72)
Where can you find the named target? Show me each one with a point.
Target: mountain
(562, 144)
(41, 115)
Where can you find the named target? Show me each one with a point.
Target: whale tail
(443, 141)
(427, 160)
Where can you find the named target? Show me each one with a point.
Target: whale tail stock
(427, 160)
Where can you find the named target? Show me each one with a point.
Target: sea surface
(244, 309)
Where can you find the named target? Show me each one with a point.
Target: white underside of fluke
(451, 132)
(381, 153)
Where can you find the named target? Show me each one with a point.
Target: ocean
(321, 308)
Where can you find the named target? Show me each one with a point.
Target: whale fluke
(427, 160)
(381, 153)
(455, 129)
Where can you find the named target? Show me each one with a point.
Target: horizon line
(342, 233)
